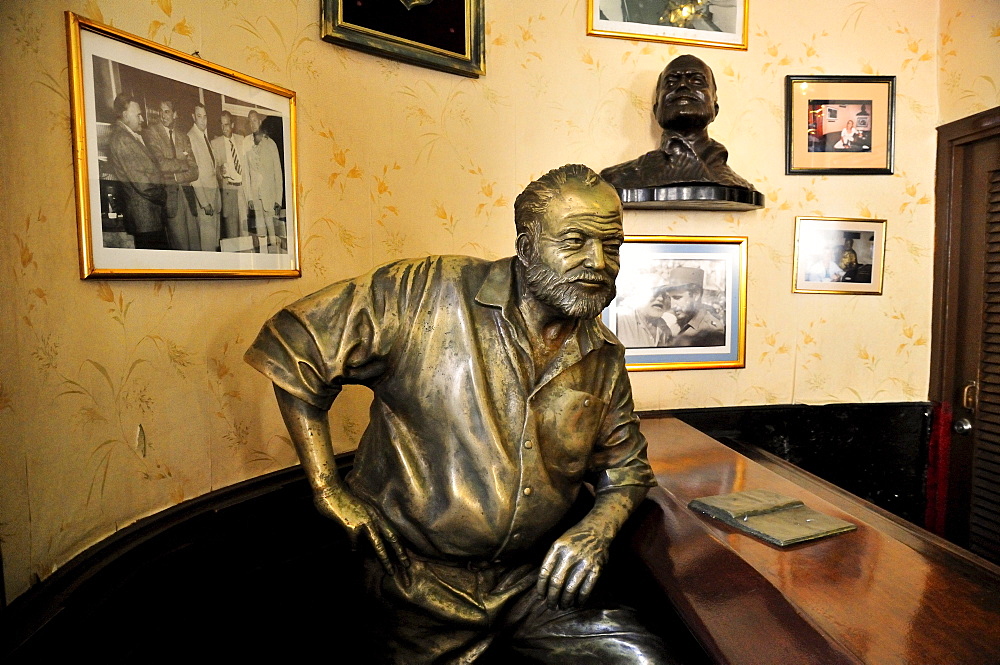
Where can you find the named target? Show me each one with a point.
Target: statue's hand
(358, 518)
(573, 564)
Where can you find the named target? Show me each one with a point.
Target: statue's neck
(546, 327)
(696, 138)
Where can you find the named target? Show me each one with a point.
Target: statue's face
(575, 259)
(685, 95)
(684, 304)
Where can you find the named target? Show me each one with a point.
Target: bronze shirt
(466, 453)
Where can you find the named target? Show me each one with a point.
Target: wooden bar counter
(888, 593)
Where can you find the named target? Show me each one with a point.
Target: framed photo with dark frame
(712, 23)
(681, 302)
(448, 35)
(183, 168)
(839, 125)
(839, 255)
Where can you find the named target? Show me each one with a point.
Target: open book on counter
(772, 517)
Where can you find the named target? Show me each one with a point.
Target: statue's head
(569, 231)
(685, 95)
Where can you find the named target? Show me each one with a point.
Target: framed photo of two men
(681, 302)
(183, 168)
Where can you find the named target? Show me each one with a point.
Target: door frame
(947, 238)
(945, 493)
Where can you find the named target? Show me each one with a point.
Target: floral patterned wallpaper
(121, 398)
(968, 53)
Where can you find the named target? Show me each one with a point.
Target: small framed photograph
(183, 168)
(681, 302)
(839, 125)
(448, 35)
(838, 255)
(713, 23)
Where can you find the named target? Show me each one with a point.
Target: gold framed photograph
(448, 35)
(681, 302)
(183, 168)
(839, 255)
(839, 125)
(712, 23)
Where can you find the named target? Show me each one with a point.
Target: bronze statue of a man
(685, 105)
(497, 394)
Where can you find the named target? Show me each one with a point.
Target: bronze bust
(497, 394)
(685, 105)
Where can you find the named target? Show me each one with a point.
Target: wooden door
(964, 471)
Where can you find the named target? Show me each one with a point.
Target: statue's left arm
(621, 477)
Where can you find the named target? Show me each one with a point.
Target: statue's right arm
(309, 428)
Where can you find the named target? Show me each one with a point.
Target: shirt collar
(497, 290)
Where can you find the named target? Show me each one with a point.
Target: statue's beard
(562, 293)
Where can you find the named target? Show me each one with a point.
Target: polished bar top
(888, 593)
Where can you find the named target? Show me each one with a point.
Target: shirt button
(527, 491)
(528, 444)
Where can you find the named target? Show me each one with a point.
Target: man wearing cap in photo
(644, 326)
(698, 326)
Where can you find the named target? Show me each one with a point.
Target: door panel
(965, 362)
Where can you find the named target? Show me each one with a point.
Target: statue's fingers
(556, 581)
(395, 544)
(380, 550)
(574, 581)
(588, 584)
(545, 572)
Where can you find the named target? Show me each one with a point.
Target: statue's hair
(531, 203)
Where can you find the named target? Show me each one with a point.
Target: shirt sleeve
(341, 334)
(620, 457)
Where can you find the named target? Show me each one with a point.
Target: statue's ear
(523, 244)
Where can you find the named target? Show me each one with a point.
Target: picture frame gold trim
(621, 28)
(811, 151)
(817, 242)
(647, 263)
(90, 41)
(412, 33)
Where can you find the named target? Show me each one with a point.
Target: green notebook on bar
(772, 517)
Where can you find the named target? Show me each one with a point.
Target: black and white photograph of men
(672, 303)
(181, 167)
